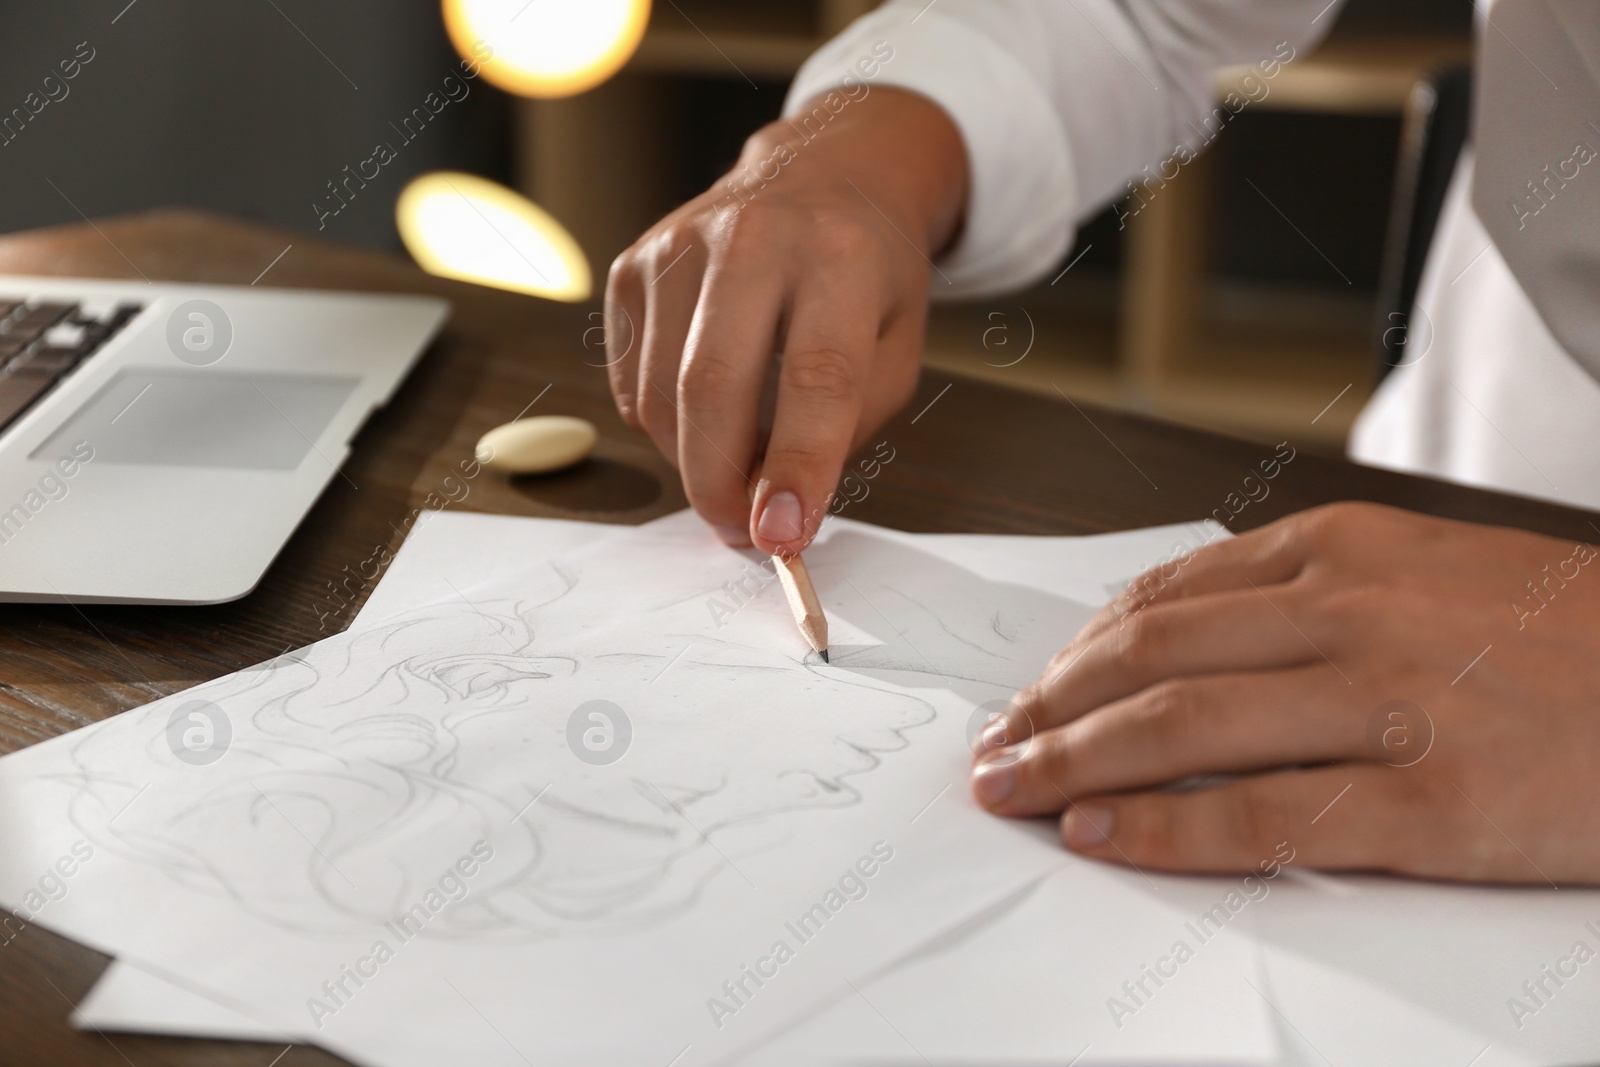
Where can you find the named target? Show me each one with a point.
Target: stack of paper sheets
(576, 794)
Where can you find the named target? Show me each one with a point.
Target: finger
(894, 371)
(1351, 816)
(1248, 631)
(671, 285)
(827, 357)
(624, 312)
(725, 365)
(1212, 724)
(1272, 555)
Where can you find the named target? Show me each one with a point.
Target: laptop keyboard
(42, 342)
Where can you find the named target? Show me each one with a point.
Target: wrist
(899, 149)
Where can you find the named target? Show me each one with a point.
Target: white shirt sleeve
(1060, 102)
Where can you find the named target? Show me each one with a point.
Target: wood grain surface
(967, 457)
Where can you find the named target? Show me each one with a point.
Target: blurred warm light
(546, 47)
(461, 226)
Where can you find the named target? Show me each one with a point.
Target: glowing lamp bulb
(461, 226)
(546, 48)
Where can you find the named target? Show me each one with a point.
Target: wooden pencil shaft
(803, 602)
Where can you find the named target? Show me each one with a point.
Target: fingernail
(992, 736)
(1088, 827)
(780, 519)
(733, 536)
(994, 782)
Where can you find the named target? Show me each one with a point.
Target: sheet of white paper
(448, 552)
(1438, 974)
(444, 552)
(1200, 1023)
(1035, 984)
(1029, 983)
(363, 770)
(1431, 972)
(130, 999)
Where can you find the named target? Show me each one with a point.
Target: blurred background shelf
(1359, 72)
(1243, 298)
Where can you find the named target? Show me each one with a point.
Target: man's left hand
(1392, 692)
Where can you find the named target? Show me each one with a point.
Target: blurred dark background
(243, 106)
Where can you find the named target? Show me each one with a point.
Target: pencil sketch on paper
(354, 779)
(362, 767)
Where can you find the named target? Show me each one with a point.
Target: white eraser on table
(537, 445)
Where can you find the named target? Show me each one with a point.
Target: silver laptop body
(159, 443)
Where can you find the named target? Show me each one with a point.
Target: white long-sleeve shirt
(1062, 102)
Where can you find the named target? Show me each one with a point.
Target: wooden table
(968, 457)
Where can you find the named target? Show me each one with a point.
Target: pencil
(808, 613)
(802, 595)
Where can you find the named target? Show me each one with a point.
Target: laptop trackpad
(203, 419)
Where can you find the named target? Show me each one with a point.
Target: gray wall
(225, 104)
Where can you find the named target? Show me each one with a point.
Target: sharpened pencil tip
(824, 655)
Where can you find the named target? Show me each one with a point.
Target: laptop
(159, 443)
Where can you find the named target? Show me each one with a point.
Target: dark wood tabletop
(968, 457)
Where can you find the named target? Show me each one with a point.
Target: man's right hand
(816, 249)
